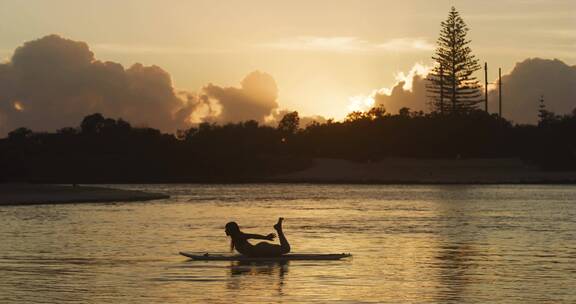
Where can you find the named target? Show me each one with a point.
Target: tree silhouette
(545, 117)
(289, 123)
(372, 114)
(404, 112)
(542, 112)
(92, 124)
(451, 79)
(109, 150)
(20, 134)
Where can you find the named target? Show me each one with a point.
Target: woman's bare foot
(278, 225)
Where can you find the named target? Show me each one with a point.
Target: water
(424, 244)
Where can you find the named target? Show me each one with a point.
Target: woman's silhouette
(262, 249)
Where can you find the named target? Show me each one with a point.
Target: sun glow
(361, 103)
(18, 106)
(366, 102)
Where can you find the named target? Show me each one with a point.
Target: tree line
(108, 150)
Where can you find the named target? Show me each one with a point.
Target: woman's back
(262, 249)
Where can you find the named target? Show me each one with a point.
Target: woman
(262, 249)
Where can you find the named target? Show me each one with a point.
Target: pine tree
(542, 112)
(451, 84)
(544, 116)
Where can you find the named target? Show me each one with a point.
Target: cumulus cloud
(413, 97)
(408, 91)
(530, 79)
(255, 99)
(54, 82)
(521, 91)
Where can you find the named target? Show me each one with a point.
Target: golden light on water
(416, 244)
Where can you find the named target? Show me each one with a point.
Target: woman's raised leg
(284, 245)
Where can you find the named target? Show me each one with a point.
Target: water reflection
(411, 244)
(243, 273)
(455, 255)
(454, 272)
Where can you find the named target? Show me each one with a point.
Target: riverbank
(320, 171)
(427, 171)
(35, 194)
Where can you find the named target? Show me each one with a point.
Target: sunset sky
(321, 53)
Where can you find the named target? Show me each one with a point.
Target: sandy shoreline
(427, 171)
(35, 194)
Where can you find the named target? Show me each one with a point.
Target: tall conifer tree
(452, 86)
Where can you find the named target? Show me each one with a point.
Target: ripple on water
(425, 244)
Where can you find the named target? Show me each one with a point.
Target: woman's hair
(232, 229)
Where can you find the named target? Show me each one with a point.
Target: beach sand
(34, 194)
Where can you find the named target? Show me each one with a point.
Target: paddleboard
(286, 257)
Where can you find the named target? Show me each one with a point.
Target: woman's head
(232, 228)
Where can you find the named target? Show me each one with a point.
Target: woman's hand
(271, 236)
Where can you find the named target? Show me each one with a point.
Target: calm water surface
(416, 244)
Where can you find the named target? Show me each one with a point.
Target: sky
(324, 56)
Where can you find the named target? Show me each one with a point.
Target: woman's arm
(268, 237)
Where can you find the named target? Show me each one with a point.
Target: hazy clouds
(401, 95)
(53, 82)
(346, 44)
(521, 90)
(255, 99)
(531, 78)
(409, 91)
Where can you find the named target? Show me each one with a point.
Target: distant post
(486, 87)
(500, 92)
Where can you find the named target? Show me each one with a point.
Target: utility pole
(500, 92)
(441, 90)
(486, 87)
